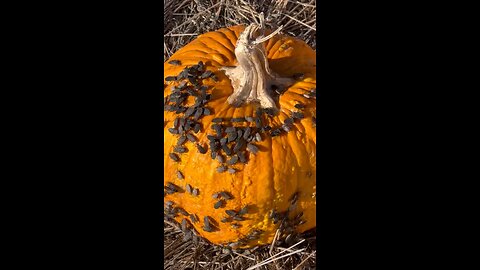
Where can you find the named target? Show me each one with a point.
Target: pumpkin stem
(253, 79)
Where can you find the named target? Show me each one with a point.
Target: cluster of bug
(221, 198)
(190, 84)
(234, 215)
(229, 144)
(171, 188)
(171, 211)
(287, 224)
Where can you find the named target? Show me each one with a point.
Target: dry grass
(184, 20)
(194, 252)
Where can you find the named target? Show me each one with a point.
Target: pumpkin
(240, 137)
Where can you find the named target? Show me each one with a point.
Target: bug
(231, 170)
(258, 137)
(227, 150)
(299, 106)
(289, 121)
(241, 157)
(184, 225)
(243, 211)
(297, 115)
(226, 195)
(180, 149)
(173, 130)
(238, 218)
(233, 160)
(189, 111)
(231, 213)
(238, 119)
(218, 204)
(236, 225)
(188, 188)
(195, 192)
(252, 148)
(225, 219)
(201, 149)
(196, 128)
(216, 195)
(198, 113)
(191, 138)
(221, 169)
(218, 129)
(193, 218)
(239, 144)
(174, 157)
(180, 175)
(276, 132)
(213, 154)
(175, 62)
(220, 158)
(231, 136)
(181, 211)
(247, 133)
(217, 120)
(181, 140)
(170, 78)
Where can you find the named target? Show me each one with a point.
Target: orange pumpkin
(240, 137)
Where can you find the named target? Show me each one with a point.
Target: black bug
(181, 140)
(175, 62)
(233, 160)
(201, 149)
(174, 157)
(196, 128)
(231, 213)
(180, 149)
(218, 204)
(243, 211)
(241, 157)
(191, 138)
(297, 115)
(252, 148)
(226, 195)
(173, 130)
(188, 188)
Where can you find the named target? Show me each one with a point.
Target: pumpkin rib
(274, 48)
(223, 40)
(228, 54)
(231, 36)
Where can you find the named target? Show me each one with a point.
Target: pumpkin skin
(284, 165)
